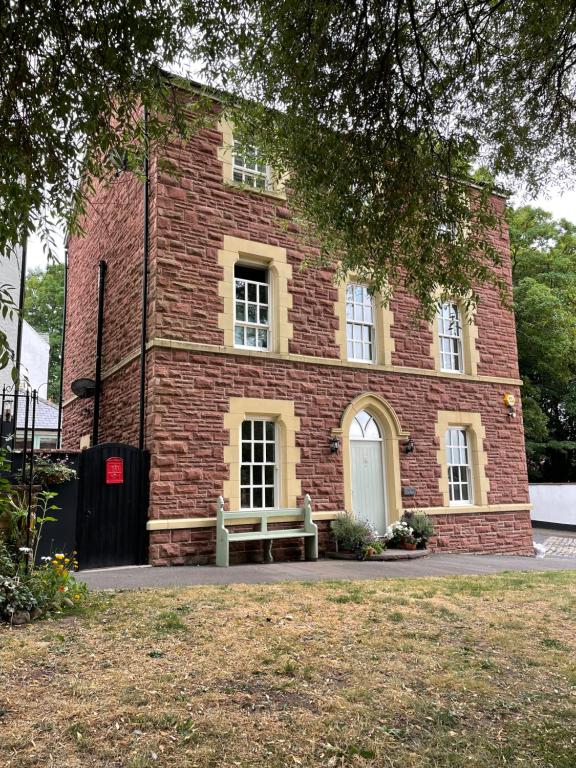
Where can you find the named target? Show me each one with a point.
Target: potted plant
(400, 535)
(356, 537)
(422, 526)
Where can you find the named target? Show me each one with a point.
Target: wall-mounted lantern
(409, 445)
(334, 444)
(510, 403)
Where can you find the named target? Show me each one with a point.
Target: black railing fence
(18, 444)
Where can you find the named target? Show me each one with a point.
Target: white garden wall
(553, 503)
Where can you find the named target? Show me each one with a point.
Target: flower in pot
(400, 535)
(357, 537)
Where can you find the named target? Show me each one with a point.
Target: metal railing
(20, 447)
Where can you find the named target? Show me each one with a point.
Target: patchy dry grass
(428, 673)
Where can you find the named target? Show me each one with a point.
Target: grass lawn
(468, 671)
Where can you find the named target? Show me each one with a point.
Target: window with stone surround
(254, 288)
(258, 464)
(247, 169)
(364, 333)
(459, 466)
(242, 168)
(360, 332)
(450, 337)
(454, 334)
(251, 307)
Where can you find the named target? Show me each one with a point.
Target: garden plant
(32, 587)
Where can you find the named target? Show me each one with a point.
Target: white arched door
(368, 474)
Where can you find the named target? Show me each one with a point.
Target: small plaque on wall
(409, 491)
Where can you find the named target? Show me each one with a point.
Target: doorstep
(386, 556)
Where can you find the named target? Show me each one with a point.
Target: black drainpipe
(63, 343)
(99, 335)
(141, 433)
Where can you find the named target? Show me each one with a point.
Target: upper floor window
(247, 169)
(359, 323)
(252, 307)
(258, 467)
(450, 337)
(459, 468)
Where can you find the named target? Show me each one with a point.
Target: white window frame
(254, 442)
(246, 324)
(356, 313)
(460, 474)
(250, 176)
(450, 337)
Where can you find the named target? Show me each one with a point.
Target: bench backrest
(262, 516)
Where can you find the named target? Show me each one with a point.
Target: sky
(560, 204)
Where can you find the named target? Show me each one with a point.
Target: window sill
(256, 350)
(273, 193)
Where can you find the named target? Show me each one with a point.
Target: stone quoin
(255, 424)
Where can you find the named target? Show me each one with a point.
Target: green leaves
(44, 311)
(544, 257)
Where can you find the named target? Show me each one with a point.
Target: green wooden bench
(309, 531)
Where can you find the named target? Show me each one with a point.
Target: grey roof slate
(46, 414)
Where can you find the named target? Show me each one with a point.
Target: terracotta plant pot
(410, 545)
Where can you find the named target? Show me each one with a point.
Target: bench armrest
(309, 524)
(220, 513)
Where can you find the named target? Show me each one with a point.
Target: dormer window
(247, 169)
(252, 307)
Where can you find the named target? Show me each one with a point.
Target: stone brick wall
(188, 390)
(196, 210)
(113, 231)
(509, 532)
(189, 437)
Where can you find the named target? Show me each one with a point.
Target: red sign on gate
(114, 470)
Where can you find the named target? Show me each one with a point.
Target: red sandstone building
(256, 369)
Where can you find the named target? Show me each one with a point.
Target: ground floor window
(459, 468)
(258, 464)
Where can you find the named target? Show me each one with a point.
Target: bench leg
(311, 548)
(222, 552)
(268, 551)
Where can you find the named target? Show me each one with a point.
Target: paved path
(435, 565)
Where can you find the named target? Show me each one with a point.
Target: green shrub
(353, 535)
(24, 585)
(421, 524)
(15, 595)
(8, 566)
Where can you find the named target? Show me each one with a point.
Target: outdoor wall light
(510, 402)
(334, 444)
(409, 446)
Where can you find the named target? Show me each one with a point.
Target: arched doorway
(390, 432)
(368, 472)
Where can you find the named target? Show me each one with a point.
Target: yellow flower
(76, 597)
(59, 557)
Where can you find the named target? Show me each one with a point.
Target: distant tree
(43, 310)
(544, 270)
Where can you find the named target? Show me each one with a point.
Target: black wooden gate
(112, 506)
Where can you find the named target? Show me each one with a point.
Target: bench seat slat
(259, 536)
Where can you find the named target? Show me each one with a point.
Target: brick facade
(191, 376)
